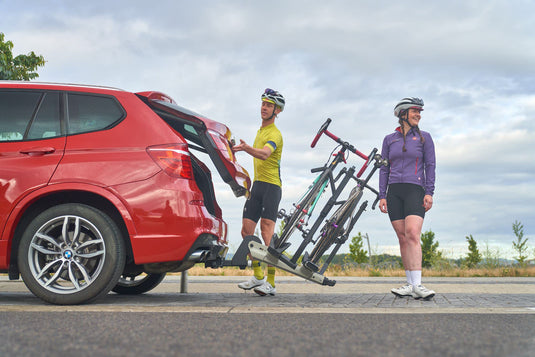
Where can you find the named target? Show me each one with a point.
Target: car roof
(221, 155)
(55, 86)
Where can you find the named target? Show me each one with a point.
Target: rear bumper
(178, 247)
(205, 250)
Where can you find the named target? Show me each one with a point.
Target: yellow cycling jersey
(268, 170)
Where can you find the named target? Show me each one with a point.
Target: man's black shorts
(263, 202)
(405, 199)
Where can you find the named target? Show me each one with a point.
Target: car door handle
(38, 151)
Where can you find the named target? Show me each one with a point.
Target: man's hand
(261, 154)
(240, 147)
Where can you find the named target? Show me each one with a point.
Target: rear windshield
(190, 129)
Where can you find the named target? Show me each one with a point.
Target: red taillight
(173, 159)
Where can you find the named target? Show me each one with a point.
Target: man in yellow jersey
(263, 202)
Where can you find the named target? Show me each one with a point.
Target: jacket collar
(398, 129)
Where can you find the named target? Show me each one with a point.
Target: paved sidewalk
(295, 295)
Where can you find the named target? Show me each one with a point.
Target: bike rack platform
(260, 252)
(251, 245)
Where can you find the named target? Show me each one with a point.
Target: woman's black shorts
(405, 199)
(263, 202)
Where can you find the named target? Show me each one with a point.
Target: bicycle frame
(339, 234)
(309, 234)
(307, 204)
(312, 197)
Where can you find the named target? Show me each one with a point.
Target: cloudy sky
(473, 63)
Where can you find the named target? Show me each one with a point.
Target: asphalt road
(357, 317)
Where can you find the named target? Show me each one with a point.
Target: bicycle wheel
(334, 227)
(301, 208)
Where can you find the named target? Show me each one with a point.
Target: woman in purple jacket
(406, 190)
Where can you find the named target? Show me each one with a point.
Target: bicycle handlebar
(364, 184)
(322, 129)
(346, 145)
(379, 161)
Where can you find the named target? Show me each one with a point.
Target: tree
(491, 257)
(430, 254)
(22, 67)
(520, 245)
(356, 252)
(474, 257)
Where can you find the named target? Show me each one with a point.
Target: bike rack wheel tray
(251, 245)
(260, 252)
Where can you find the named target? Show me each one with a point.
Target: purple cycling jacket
(416, 165)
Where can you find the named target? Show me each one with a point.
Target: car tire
(133, 285)
(71, 254)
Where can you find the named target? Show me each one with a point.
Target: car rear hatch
(205, 135)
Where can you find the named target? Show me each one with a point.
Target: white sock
(416, 277)
(409, 279)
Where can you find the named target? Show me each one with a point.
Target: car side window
(16, 111)
(90, 113)
(46, 123)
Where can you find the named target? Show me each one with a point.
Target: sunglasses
(270, 91)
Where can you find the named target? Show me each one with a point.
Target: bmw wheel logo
(67, 254)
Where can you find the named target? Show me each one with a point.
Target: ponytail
(402, 128)
(422, 140)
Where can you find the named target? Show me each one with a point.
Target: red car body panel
(159, 235)
(163, 215)
(22, 205)
(13, 184)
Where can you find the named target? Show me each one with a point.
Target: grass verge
(338, 270)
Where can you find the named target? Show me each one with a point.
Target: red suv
(100, 189)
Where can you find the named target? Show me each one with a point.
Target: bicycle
(307, 203)
(334, 231)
